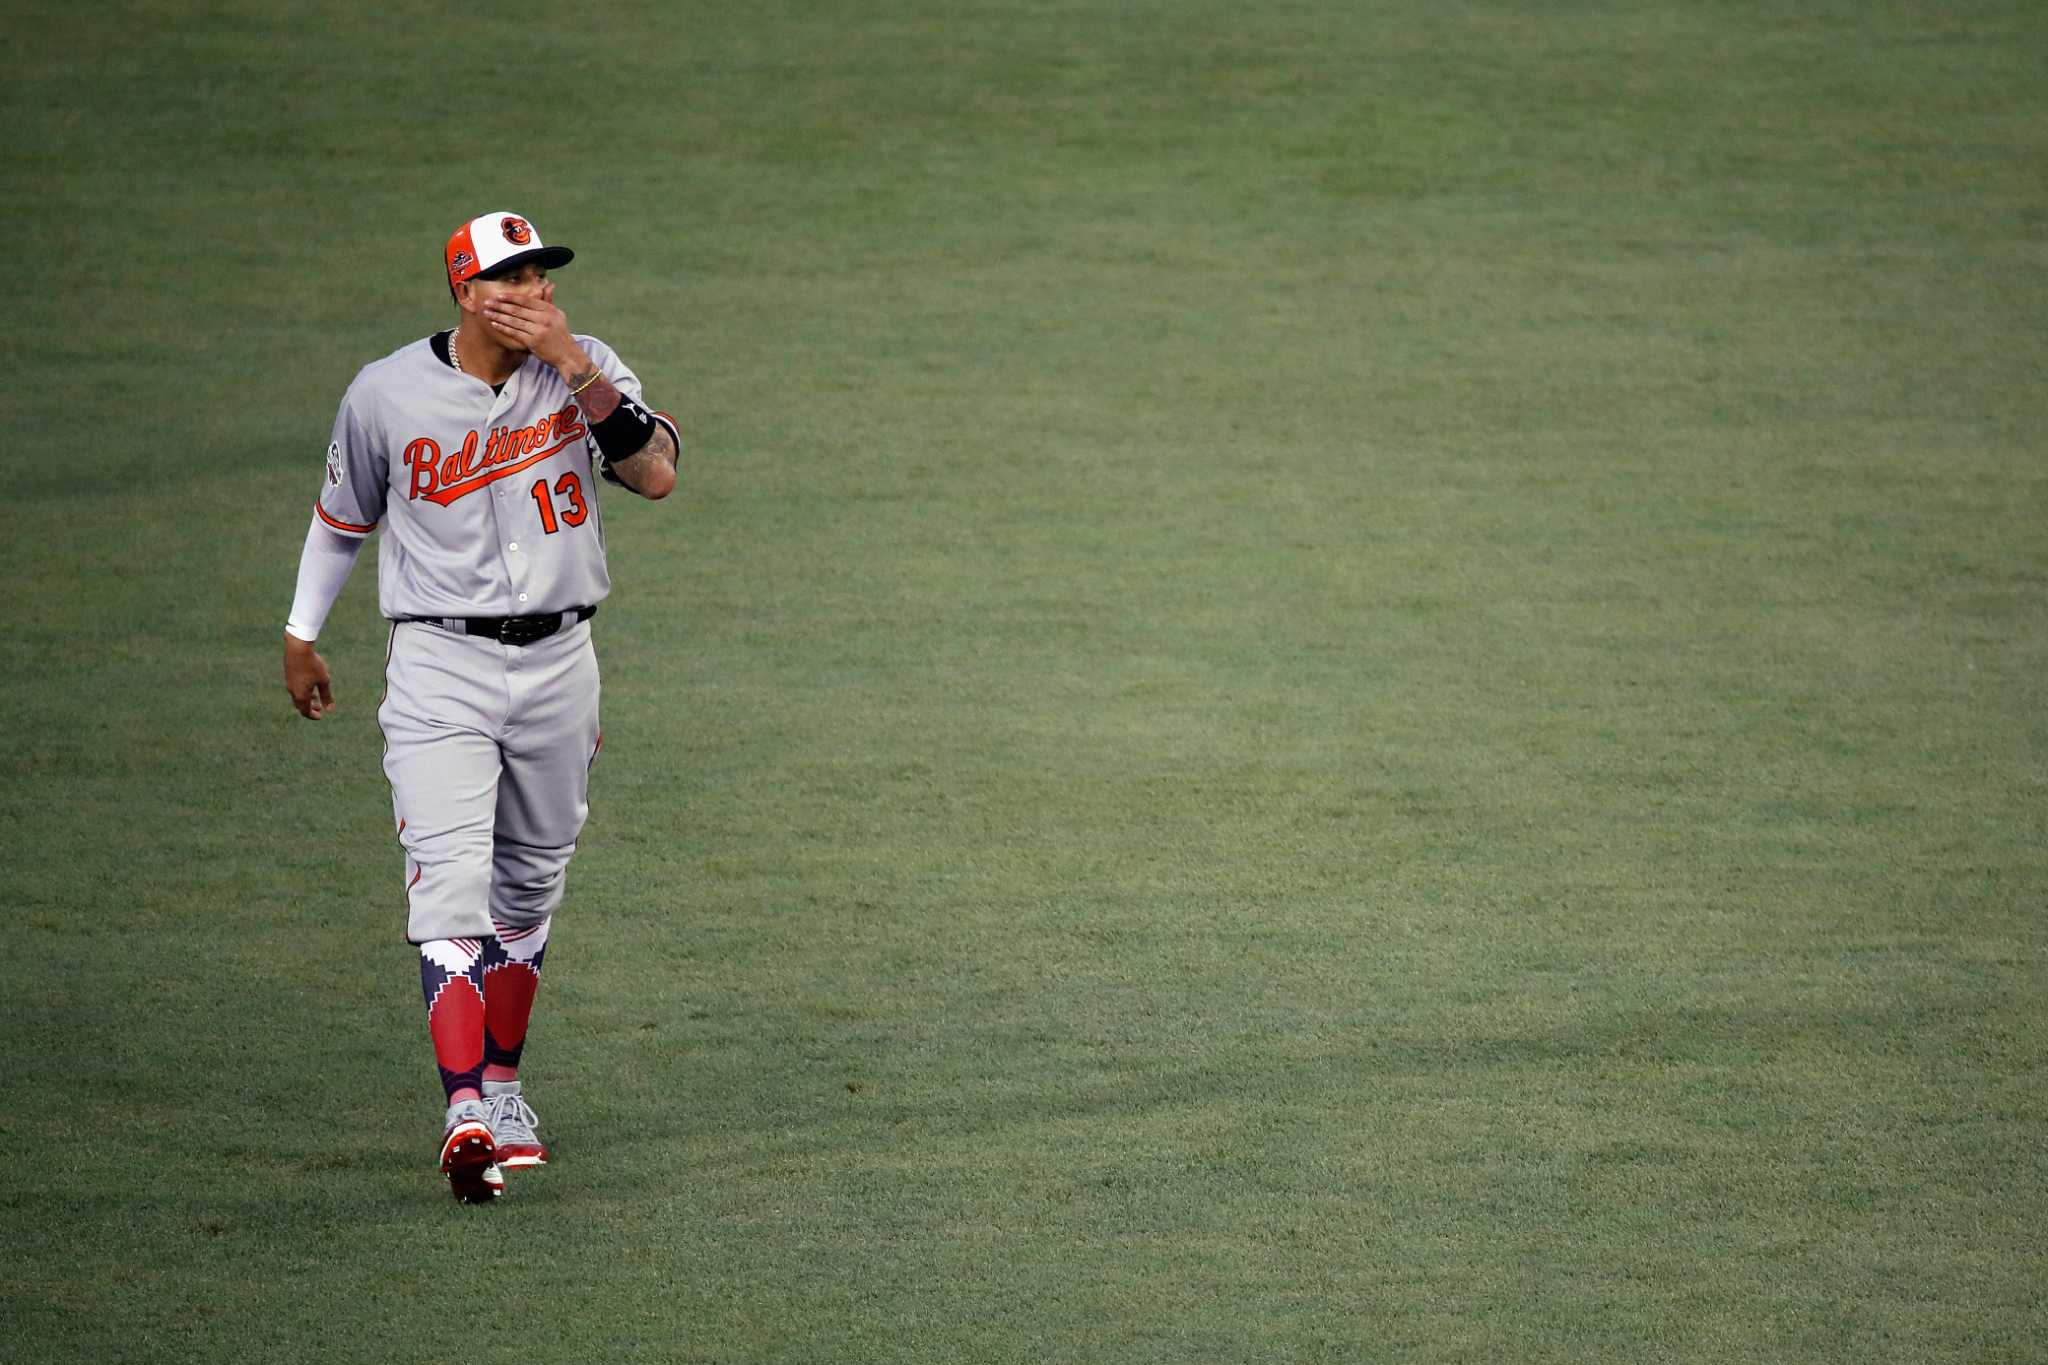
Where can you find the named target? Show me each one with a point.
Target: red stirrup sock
(511, 976)
(451, 975)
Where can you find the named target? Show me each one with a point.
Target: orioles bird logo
(516, 232)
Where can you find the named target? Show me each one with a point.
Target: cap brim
(546, 257)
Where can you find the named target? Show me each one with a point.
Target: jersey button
(513, 546)
(522, 597)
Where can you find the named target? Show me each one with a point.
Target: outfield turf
(1332, 682)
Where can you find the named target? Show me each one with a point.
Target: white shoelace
(513, 1119)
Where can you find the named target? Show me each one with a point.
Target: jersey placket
(515, 531)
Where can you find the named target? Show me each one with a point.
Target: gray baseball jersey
(488, 499)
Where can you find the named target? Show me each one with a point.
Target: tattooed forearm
(651, 470)
(594, 391)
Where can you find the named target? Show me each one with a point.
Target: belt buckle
(524, 630)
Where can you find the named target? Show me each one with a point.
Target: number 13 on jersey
(569, 489)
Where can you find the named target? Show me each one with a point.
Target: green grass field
(1333, 682)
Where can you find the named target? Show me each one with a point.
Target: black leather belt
(511, 630)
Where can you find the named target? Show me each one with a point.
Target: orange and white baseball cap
(498, 241)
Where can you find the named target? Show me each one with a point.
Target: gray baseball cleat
(469, 1154)
(512, 1124)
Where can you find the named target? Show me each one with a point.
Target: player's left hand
(533, 323)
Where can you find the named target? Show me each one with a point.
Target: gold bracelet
(595, 376)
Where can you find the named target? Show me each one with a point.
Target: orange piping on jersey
(346, 526)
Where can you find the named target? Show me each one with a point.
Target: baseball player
(478, 450)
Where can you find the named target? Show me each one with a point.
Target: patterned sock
(451, 975)
(511, 976)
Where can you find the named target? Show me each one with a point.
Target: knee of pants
(448, 898)
(527, 884)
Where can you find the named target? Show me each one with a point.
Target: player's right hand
(306, 678)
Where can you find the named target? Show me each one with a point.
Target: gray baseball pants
(488, 747)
